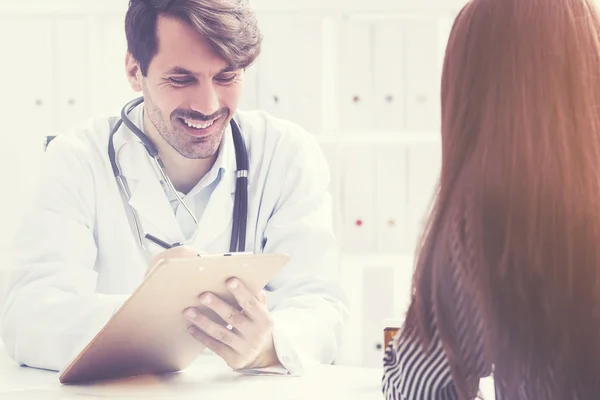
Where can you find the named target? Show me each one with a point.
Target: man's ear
(134, 74)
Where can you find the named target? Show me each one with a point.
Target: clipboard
(148, 334)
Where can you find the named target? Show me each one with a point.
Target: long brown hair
(517, 211)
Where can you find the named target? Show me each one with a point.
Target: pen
(159, 242)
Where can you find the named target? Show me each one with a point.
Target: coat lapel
(148, 197)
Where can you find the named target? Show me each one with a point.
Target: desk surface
(208, 378)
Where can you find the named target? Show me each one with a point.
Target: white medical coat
(76, 259)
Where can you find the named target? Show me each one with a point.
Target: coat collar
(148, 192)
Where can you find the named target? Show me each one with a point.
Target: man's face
(190, 93)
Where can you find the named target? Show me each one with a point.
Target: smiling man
(78, 255)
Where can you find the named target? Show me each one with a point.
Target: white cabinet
(424, 168)
(444, 26)
(391, 6)
(355, 76)
(45, 80)
(357, 200)
(389, 76)
(385, 193)
(28, 75)
(379, 289)
(109, 87)
(27, 108)
(391, 203)
(72, 63)
(290, 71)
(403, 278)
(423, 75)
(378, 294)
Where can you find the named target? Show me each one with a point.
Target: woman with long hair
(507, 278)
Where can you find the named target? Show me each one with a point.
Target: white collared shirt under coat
(76, 259)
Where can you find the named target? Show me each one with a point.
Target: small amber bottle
(388, 335)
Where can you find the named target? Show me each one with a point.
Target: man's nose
(206, 100)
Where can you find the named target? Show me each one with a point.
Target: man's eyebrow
(185, 71)
(229, 68)
(180, 71)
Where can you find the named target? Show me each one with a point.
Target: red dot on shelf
(359, 222)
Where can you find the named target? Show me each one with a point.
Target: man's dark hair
(229, 25)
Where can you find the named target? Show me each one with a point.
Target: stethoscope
(240, 205)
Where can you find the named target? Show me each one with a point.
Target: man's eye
(180, 81)
(225, 79)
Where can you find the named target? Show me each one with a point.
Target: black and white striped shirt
(410, 373)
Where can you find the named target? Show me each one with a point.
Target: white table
(208, 378)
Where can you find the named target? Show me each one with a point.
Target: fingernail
(191, 313)
(207, 299)
(233, 284)
(191, 330)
